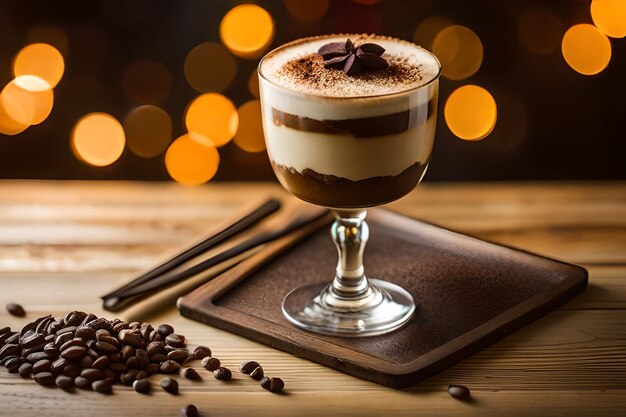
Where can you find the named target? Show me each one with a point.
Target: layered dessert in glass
(349, 123)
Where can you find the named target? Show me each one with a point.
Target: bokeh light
(249, 136)
(253, 84)
(41, 60)
(247, 30)
(307, 10)
(147, 82)
(428, 28)
(189, 162)
(539, 31)
(148, 130)
(610, 17)
(210, 67)
(459, 50)
(8, 126)
(49, 34)
(98, 139)
(586, 49)
(27, 99)
(470, 112)
(213, 117)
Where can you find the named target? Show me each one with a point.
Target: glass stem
(350, 288)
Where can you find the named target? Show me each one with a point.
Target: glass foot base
(386, 308)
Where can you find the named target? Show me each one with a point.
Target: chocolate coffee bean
(82, 383)
(165, 330)
(257, 374)
(64, 382)
(191, 373)
(103, 387)
(459, 391)
(142, 386)
(201, 352)
(44, 378)
(175, 340)
(272, 384)
(43, 365)
(248, 366)
(25, 369)
(189, 410)
(16, 310)
(210, 364)
(222, 373)
(169, 367)
(170, 385)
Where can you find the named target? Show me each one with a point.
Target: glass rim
(319, 96)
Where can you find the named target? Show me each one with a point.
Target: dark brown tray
(470, 293)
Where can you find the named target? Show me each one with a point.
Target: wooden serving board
(470, 293)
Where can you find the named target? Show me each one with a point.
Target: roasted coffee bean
(201, 352)
(4, 330)
(132, 339)
(10, 349)
(101, 363)
(109, 339)
(51, 350)
(141, 375)
(98, 324)
(179, 355)
(74, 318)
(62, 339)
(142, 386)
(155, 336)
(170, 385)
(25, 369)
(152, 368)
(13, 339)
(111, 377)
(50, 338)
(132, 362)
(58, 365)
(145, 331)
(459, 391)
(74, 353)
(8, 358)
(102, 332)
(4, 337)
(168, 349)
(85, 333)
(142, 358)
(92, 354)
(31, 339)
(257, 374)
(42, 326)
(175, 340)
(43, 365)
(72, 370)
(82, 383)
(155, 347)
(210, 363)
(119, 326)
(222, 373)
(169, 367)
(128, 377)
(127, 352)
(37, 356)
(165, 330)
(64, 382)
(105, 347)
(189, 410)
(38, 348)
(248, 366)
(272, 384)
(16, 310)
(92, 374)
(44, 378)
(119, 367)
(85, 362)
(13, 364)
(55, 325)
(67, 329)
(158, 358)
(90, 317)
(191, 373)
(103, 387)
(76, 341)
(115, 357)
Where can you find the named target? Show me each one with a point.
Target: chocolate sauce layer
(367, 127)
(336, 192)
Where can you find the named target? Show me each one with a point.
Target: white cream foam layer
(394, 49)
(348, 157)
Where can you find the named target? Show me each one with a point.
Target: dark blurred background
(553, 122)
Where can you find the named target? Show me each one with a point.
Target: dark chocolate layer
(367, 127)
(338, 192)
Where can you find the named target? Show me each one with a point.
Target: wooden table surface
(63, 244)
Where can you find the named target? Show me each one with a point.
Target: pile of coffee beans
(87, 352)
